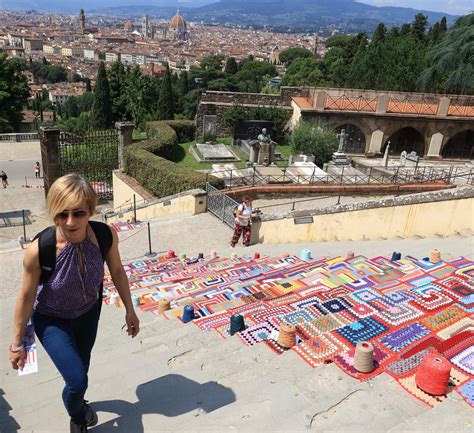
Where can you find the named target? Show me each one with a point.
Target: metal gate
(94, 154)
(220, 205)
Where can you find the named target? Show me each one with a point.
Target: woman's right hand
(17, 359)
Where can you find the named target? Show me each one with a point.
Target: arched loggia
(460, 146)
(355, 140)
(408, 139)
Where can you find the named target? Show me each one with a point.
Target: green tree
(253, 71)
(85, 102)
(450, 63)
(379, 34)
(70, 108)
(117, 83)
(102, 107)
(234, 114)
(165, 100)
(13, 94)
(304, 72)
(230, 66)
(214, 62)
(316, 138)
(418, 27)
(289, 55)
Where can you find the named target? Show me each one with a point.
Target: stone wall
(441, 213)
(190, 202)
(217, 103)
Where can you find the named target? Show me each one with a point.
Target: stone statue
(264, 137)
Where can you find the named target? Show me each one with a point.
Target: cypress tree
(419, 26)
(165, 100)
(183, 85)
(442, 27)
(379, 34)
(102, 107)
(118, 86)
(231, 66)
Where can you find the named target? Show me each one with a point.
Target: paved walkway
(175, 378)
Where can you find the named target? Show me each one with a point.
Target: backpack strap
(47, 252)
(104, 239)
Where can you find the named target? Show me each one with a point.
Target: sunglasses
(75, 213)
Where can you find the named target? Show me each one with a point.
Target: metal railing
(399, 176)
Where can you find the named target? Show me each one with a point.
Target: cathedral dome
(177, 21)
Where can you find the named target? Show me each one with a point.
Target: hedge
(146, 161)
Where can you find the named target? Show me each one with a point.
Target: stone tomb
(213, 153)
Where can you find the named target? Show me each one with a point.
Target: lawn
(183, 157)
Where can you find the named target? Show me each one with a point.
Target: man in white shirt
(242, 225)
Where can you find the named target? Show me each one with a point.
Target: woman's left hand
(132, 322)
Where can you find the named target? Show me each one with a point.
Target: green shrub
(164, 135)
(160, 138)
(149, 161)
(160, 176)
(185, 129)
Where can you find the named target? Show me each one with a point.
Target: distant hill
(304, 13)
(89, 5)
(296, 15)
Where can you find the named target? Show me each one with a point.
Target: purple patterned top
(69, 292)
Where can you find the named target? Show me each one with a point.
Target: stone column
(443, 106)
(434, 150)
(376, 141)
(382, 103)
(50, 156)
(320, 100)
(125, 138)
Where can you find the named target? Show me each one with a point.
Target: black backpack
(47, 249)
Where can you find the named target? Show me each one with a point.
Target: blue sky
(455, 7)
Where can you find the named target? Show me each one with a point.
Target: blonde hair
(68, 192)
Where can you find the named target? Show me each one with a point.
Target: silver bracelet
(16, 349)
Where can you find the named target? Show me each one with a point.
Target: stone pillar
(434, 150)
(125, 138)
(443, 106)
(382, 103)
(272, 152)
(254, 148)
(376, 141)
(320, 100)
(50, 156)
(264, 154)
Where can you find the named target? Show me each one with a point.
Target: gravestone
(209, 124)
(215, 152)
(339, 157)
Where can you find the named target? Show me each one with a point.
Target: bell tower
(82, 21)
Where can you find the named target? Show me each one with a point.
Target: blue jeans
(69, 343)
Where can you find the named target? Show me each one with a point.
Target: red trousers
(246, 232)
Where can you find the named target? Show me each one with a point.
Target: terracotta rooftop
(303, 102)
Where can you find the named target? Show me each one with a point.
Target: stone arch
(460, 145)
(355, 142)
(408, 139)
